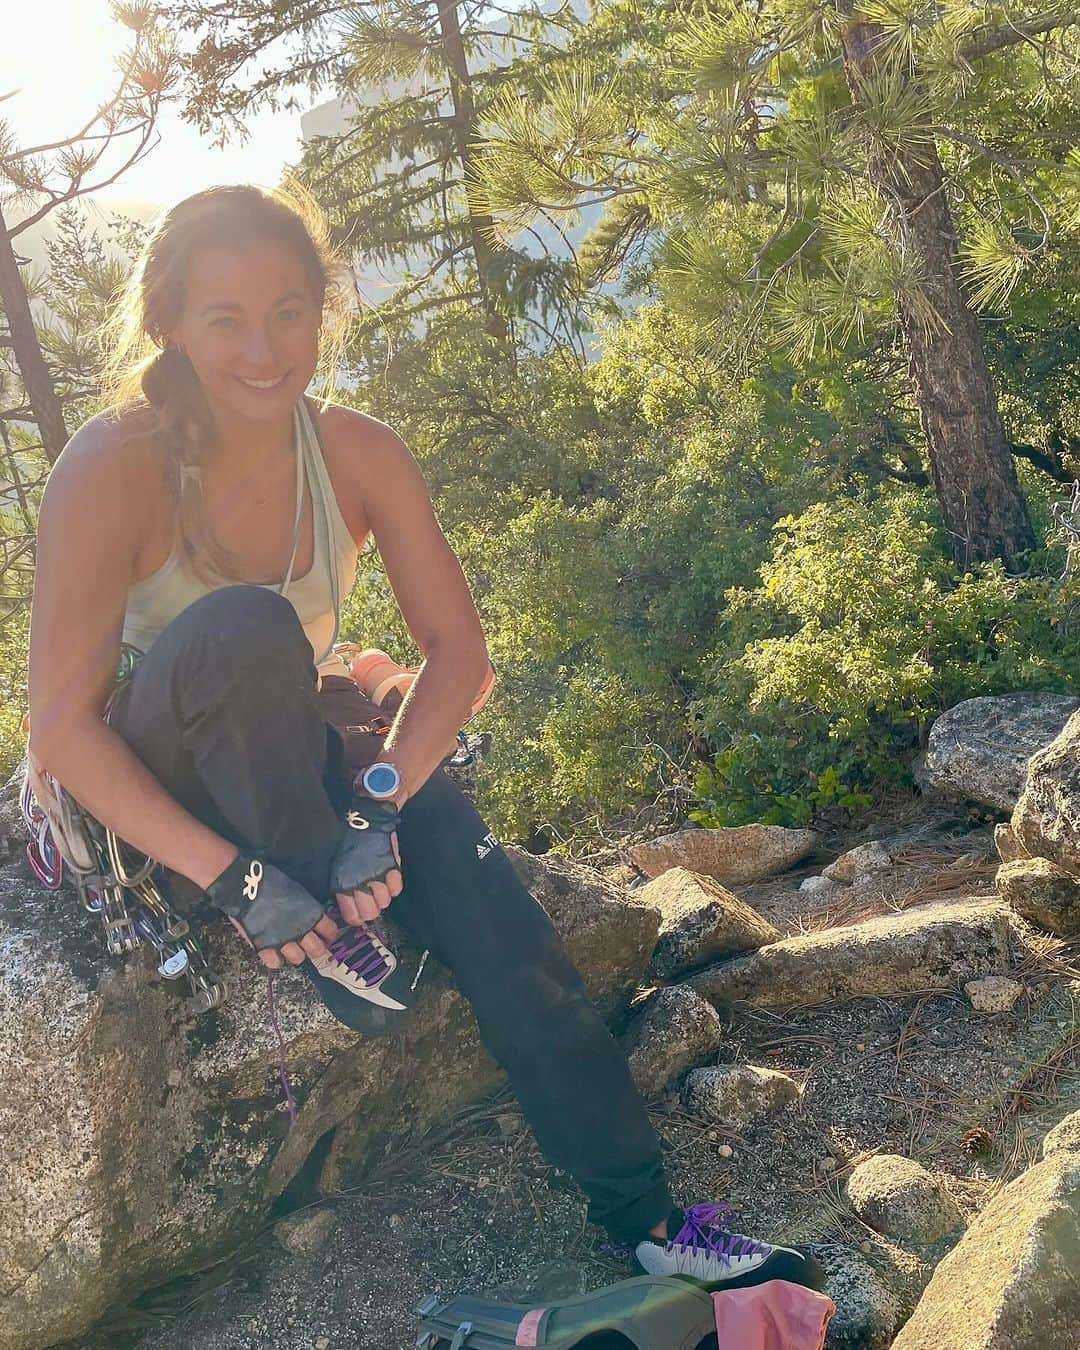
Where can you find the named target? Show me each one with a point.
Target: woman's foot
(360, 981)
(698, 1246)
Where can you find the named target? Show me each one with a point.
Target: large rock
(1064, 1137)
(742, 853)
(1047, 816)
(700, 920)
(868, 1309)
(935, 947)
(1044, 893)
(980, 748)
(733, 1095)
(857, 862)
(899, 1198)
(137, 1146)
(673, 1032)
(1011, 1282)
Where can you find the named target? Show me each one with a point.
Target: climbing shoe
(700, 1246)
(362, 982)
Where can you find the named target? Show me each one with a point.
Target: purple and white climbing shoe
(361, 981)
(700, 1247)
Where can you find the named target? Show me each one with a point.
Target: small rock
(1009, 848)
(726, 1151)
(817, 885)
(395, 1222)
(674, 1031)
(860, 1046)
(867, 1310)
(737, 854)
(901, 1199)
(1043, 893)
(323, 1343)
(175, 1078)
(700, 920)
(509, 1125)
(734, 1095)
(827, 1164)
(1064, 1137)
(307, 1232)
(859, 862)
(993, 994)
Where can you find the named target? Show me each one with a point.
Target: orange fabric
(776, 1315)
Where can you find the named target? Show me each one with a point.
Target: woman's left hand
(358, 906)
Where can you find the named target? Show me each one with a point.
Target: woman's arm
(85, 559)
(431, 591)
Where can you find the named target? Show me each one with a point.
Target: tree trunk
(36, 376)
(464, 131)
(972, 466)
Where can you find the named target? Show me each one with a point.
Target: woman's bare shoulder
(115, 447)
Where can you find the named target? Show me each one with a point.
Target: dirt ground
(472, 1207)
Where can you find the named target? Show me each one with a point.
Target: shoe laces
(703, 1231)
(360, 950)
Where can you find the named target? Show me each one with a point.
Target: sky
(57, 63)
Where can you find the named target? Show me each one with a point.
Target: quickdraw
(113, 885)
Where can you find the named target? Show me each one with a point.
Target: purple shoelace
(357, 950)
(701, 1232)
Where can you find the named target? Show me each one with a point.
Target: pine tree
(825, 172)
(417, 77)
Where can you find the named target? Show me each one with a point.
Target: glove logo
(252, 880)
(356, 821)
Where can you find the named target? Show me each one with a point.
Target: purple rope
(283, 1074)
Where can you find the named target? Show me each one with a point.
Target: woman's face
(250, 326)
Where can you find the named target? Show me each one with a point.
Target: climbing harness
(113, 883)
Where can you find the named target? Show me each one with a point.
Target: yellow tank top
(156, 600)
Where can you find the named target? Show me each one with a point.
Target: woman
(212, 522)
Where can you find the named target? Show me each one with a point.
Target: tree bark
(972, 467)
(464, 128)
(36, 376)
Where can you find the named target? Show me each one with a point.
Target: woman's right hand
(275, 914)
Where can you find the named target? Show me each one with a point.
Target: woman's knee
(247, 625)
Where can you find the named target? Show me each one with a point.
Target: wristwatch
(380, 780)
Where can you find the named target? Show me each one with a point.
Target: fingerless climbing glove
(365, 853)
(270, 907)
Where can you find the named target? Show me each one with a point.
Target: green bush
(859, 634)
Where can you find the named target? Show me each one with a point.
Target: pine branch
(1007, 36)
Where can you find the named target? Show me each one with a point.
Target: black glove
(270, 907)
(365, 853)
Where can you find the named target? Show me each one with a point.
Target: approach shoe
(361, 981)
(701, 1248)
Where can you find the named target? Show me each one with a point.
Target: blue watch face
(382, 778)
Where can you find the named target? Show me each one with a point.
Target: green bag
(652, 1312)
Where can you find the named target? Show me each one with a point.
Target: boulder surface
(742, 853)
(673, 1032)
(700, 920)
(1047, 816)
(899, 1198)
(1011, 1282)
(933, 947)
(1044, 893)
(980, 748)
(138, 1145)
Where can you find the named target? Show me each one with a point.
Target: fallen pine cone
(977, 1142)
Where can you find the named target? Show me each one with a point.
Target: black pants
(223, 712)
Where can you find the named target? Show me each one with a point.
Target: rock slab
(1064, 1137)
(137, 1146)
(933, 947)
(900, 1199)
(980, 748)
(1011, 1282)
(740, 854)
(700, 920)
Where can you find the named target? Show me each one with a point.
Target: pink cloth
(776, 1315)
